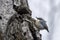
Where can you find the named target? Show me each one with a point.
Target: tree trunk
(13, 24)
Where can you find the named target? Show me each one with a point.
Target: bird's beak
(47, 30)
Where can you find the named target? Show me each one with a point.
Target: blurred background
(50, 11)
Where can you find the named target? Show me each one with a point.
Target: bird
(41, 24)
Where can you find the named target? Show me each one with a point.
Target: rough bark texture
(15, 23)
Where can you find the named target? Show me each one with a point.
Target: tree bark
(13, 23)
